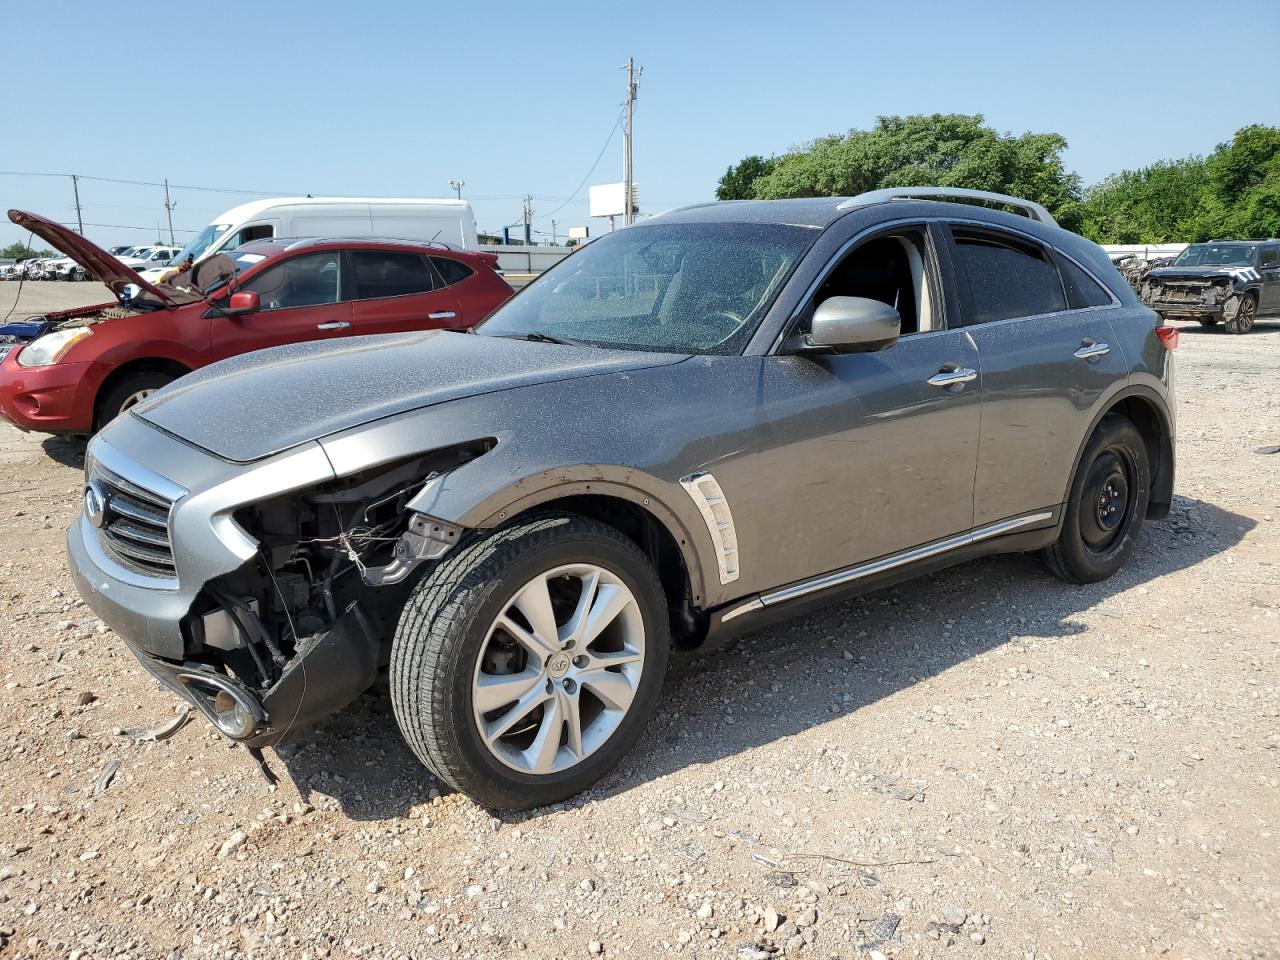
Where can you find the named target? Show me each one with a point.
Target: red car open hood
(100, 264)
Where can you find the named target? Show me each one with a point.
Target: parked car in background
(704, 422)
(149, 258)
(445, 221)
(74, 371)
(1232, 282)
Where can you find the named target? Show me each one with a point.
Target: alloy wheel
(136, 398)
(559, 669)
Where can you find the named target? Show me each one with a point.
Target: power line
(578, 189)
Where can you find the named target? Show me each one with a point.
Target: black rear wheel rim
(1107, 501)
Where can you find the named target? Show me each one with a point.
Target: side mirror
(242, 302)
(852, 325)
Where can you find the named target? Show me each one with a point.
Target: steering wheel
(727, 319)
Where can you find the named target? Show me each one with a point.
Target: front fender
(476, 495)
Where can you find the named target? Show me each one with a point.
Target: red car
(79, 369)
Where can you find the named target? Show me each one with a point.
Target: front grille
(135, 525)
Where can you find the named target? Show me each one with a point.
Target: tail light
(1168, 336)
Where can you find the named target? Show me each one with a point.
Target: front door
(868, 454)
(1269, 268)
(1049, 357)
(300, 299)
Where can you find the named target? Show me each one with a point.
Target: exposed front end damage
(297, 616)
(1214, 298)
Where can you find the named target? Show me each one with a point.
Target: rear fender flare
(1162, 482)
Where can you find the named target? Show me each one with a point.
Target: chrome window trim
(861, 235)
(841, 577)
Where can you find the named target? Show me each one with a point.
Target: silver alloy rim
(558, 669)
(135, 398)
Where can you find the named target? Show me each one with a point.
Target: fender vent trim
(705, 491)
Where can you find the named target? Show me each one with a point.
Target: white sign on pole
(579, 233)
(606, 200)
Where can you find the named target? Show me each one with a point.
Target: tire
(1242, 322)
(1106, 505)
(1207, 321)
(124, 394)
(451, 641)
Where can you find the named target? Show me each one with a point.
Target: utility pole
(553, 232)
(457, 185)
(633, 81)
(168, 209)
(75, 185)
(528, 219)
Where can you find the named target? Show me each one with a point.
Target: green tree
(738, 182)
(948, 150)
(1232, 193)
(18, 251)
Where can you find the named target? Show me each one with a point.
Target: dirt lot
(986, 763)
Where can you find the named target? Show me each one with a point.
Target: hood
(262, 403)
(97, 262)
(1202, 273)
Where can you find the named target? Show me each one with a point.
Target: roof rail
(1032, 209)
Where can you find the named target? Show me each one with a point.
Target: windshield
(206, 238)
(675, 288)
(1215, 255)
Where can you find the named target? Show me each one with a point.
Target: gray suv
(686, 430)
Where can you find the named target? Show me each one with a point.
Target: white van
(449, 221)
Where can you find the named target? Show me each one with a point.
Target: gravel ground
(984, 763)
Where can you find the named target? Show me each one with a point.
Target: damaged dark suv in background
(692, 427)
(1231, 282)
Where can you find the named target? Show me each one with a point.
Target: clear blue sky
(397, 98)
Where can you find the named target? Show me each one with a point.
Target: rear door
(1048, 356)
(395, 291)
(301, 299)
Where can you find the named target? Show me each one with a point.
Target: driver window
(306, 281)
(889, 268)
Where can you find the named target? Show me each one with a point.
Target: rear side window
(1008, 278)
(452, 271)
(381, 274)
(1082, 289)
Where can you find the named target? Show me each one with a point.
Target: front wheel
(133, 389)
(526, 665)
(1242, 322)
(1105, 507)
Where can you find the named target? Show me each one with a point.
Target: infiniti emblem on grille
(95, 505)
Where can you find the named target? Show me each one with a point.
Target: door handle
(442, 315)
(335, 325)
(953, 378)
(1091, 350)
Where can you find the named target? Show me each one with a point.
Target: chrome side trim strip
(705, 491)
(897, 560)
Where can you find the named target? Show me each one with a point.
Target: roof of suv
(823, 211)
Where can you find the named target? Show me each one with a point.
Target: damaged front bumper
(156, 603)
(329, 672)
(1213, 302)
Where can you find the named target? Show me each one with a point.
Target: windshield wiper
(537, 336)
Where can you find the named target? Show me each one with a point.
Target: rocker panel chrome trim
(888, 563)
